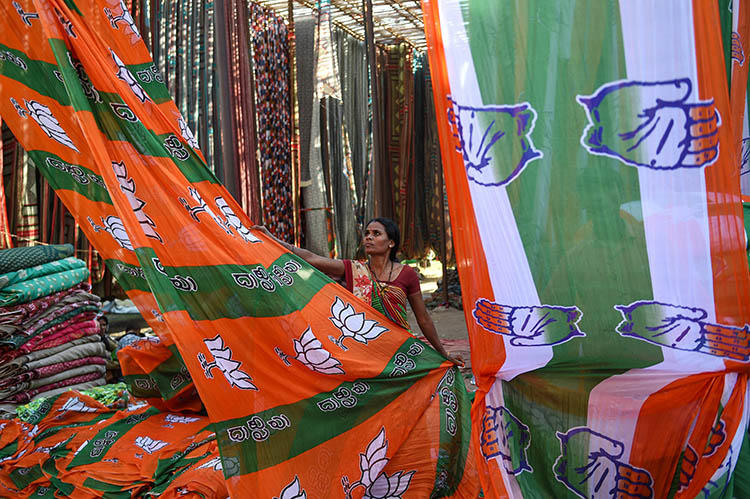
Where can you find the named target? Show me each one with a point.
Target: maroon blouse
(407, 279)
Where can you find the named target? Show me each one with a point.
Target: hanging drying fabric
(246, 315)
(591, 164)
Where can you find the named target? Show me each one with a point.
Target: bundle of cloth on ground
(49, 335)
(97, 443)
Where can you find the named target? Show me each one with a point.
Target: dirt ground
(449, 322)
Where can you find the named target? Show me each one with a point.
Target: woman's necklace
(390, 273)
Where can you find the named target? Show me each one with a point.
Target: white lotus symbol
(378, 485)
(214, 463)
(73, 404)
(311, 353)
(353, 325)
(48, 123)
(223, 361)
(149, 445)
(293, 491)
(176, 418)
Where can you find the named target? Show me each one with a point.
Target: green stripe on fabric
(209, 293)
(570, 206)
(129, 277)
(97, 447)
(44, 492)
(38, 75)
(455, 434)
(50, 432)
(9, 449)
(151, 81)
(117, 122)
(23, 477)
(726, 18)
(269, 437)
(64, 176)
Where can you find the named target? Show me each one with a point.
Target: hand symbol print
(495, 141)
(529, 326)
(683, 328)
(667, 133)
(591, 465)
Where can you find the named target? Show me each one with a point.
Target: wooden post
(444, 244)
(372, 63)
(294, 153)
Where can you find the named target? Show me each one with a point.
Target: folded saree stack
(49, 336)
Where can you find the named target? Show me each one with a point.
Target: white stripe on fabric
(512, 282)
(659, 43)
(495, 398)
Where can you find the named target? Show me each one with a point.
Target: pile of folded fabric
(49, 333)
(72, 445)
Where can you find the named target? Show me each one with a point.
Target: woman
(382, 281)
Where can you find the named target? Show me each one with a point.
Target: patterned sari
(383, 297)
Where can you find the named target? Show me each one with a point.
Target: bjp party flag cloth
(591, 157)
(310, 392)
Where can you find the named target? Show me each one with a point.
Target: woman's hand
(456, 359)
(263, 229)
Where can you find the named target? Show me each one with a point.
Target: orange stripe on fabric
(707, 465)
(725, 218)
(487, 350)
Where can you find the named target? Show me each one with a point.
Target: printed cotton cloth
(30, 256)
(233, 309)
(591, 155)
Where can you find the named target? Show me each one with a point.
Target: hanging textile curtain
(270, 51)
(246, 316)
(596, 212)
(319, 233)
(355, 95)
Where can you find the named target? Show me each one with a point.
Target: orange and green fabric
(591, 151)
(300, 379)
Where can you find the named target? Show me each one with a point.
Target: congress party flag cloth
(591, 167)
(311, 393)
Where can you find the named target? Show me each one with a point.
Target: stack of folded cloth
(49, 333)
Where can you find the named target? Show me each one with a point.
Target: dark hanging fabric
(341, 181)
(398, 129)
(241, 90)
(355, 96)
(5, 239)
(415, 227)
(437, 202)
(383, 174)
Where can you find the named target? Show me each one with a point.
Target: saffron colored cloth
(243, 314)
(74, 445)
(30, 256)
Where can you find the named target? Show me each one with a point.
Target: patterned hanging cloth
(245, 315)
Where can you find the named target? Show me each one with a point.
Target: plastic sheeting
(309, 390)
(590, 154)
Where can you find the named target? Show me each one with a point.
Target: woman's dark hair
(391, 230)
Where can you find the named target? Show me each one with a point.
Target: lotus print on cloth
(378, 485)
(529, 326)
(149, 445)
(352, 324)
(665, 131)
(602, 472)
(683, 328)
(74, 404)
(292, 491)
(223, 361)
(310, 352)
(495, 141)
(46, 121)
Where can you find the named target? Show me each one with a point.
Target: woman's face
(377, 241)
